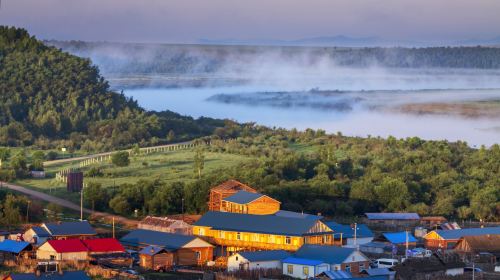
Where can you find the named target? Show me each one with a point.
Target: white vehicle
(386, 263)
(420, 253)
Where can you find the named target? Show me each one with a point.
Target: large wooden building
(244, 202)
(237, 232)
(226, 189)
(447, 239)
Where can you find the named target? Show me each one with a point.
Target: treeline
(115, 58)
(49, 98)
(337, 176)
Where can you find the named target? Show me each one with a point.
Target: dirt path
(70, 205)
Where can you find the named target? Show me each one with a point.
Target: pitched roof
(67, 245)
(142, 237)
(265, 255)
(399, 237)
(392, 216)
(337, 274)
(480, 243)
(327, 254)
(457, 233)
(41, 232)
(291, 214)
(348, 231)
(12, 246)
(102, 245)
(152, 250)
(293, 260)
(67, 275)
(232, 185)
(269, 224)
(70, 228)
(243, 197)
(378, 271)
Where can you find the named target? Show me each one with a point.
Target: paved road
(70, 205)
(65, 160)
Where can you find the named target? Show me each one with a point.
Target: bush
(94, 172)
(52, 155)
(120, 159)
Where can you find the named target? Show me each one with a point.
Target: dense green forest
(49, 98)
(117, 58)
(334, 175)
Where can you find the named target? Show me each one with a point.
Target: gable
(197, 243)
(356, 256)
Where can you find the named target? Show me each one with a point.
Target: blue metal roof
(70, 228)
(348, 232)
(12, 246)
(142, 237)
(67, 275)
(269, 224)
(41, 232)
(293, 260)
(458, 233)
(338, 274)
(399, 237)
(327, 254)
(392, 216)
(290, 214)
(243, 197)
(265, 255)
(152, 250)
(379, 271)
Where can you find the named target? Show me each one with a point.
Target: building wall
(193, 256)
(266, 265)
(234, 262)
(47, 254)
(28, 236)
(161, 260)
(298, 270)
(353, 262)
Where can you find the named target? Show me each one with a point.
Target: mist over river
(432, 104)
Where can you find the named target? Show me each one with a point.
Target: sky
(189, 21)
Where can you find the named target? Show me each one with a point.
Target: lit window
(221, 234)
(289, 269)
(198, 255)
(305, 270)
(201, 231)
(255, 237)
(271, 238)
(238, 235)
(288, 240)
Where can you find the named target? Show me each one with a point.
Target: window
(201, 231)
(305, 270)
(348, 268)
(238, 235)
(255, 237)
(361, 266)
(198, 255)
(221, 234)
(236, 257)
(289, 269)
(271, 238)
(288, 240)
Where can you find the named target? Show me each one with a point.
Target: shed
(447, 239)
(10, 249)
(228, 188)
(433, 221)
(36, 235)
(303, 268)
(70, 249)
(247, 260)
(156, 258)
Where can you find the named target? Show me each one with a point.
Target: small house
(66, 275)
(156, 258)
(349, 236)
(67, 230)
(432, 222)
(303, 268)
(392, 219)
(36, 235)
(388, 273)
(399, 239)
(244, 202)
(338, 258)
(226, 189)
(247, 260)
(166, 224)
(188, 250)
(12, 250)
(62, 250)
(447, 239)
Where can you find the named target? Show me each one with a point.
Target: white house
(257, 260)
(303, 268)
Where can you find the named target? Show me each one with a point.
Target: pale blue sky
(187, 21)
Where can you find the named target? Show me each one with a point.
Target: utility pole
(81, 204)
(406, 251)
(28, 212)
(182, 209)
(355, 234)
(113, 227)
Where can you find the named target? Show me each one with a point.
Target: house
(188, 250)
(226, 189)
(36, 235)
(479, 244)
(428, 268)
(338, 258)
(101, 246)
(447, 239)
(240, 232)
(399, 240)
(393, 219)
(349, 236)
(62, 250)
(156, 258)
(433, 221)
(11, 250)
(375, 247)
(166, 224)
(67, 275)
(388, 273)
(250, 203)
(303, 268)
(67, 230)
(247, 260)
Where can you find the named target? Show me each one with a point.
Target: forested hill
(125, 58)
(47, 94)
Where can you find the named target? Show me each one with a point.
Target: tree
(120, 159)
(54, 211)
(199, 162)
(11, 212)
(170, 136)
(120, 205)
(4, 154)
(136, 150)
(37, 159)
(95, 194)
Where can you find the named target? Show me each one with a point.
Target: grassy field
(167, 166)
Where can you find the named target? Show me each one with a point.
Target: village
(246, 235)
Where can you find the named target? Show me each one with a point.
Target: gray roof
(265, 255)
(41, 232)
(290, 214)
(392, 216)
(67, 275)
(268, 224)
(70, 228)
(458, 233)
(142, 238)
(378, 271)
(338, 274)
(243, 197)
(327, 254)
(152, 250)
(348, 231)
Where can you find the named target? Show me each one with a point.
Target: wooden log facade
(264, 205)
(224, 190)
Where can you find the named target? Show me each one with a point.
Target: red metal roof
(68, 245)
(103, 245)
